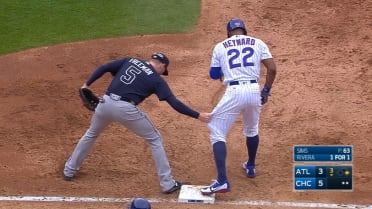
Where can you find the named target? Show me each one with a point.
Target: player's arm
(270, 77)
(215, 73)
(164, 93)
(271, 71)
(112, 67)
(181, 107)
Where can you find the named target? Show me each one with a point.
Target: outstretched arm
(183, 109)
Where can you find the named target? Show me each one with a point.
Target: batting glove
(265, 93)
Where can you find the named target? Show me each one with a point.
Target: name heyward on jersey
(239, 42)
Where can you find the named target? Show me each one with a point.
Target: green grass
(33, 23)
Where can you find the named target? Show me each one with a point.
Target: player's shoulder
(119, 62)
(239, 37)
(219, 43)
(261, 41)
(258, 40)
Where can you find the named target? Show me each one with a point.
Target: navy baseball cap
(163, 59)
(140, 203)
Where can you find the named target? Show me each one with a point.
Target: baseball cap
(163, 59)
(140, 203)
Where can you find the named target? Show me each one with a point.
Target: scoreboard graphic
(329, 153)
(308, 177)
(322, 168)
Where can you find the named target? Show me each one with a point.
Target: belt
(118, 97)
(232, 83)
(128, 100)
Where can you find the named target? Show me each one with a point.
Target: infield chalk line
(158, 200)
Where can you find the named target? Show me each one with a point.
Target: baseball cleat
(176, 187)
(250, 170)
(67, 178)
(216, 187)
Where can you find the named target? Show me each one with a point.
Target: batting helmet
(236, 23)
(140, 203)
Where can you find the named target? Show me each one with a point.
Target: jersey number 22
(246, 52)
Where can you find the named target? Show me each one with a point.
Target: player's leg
(139, 123)
(223, 117)
(251, 121)
(99, 122)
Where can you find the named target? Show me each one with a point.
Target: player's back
(239, 57)
(136, 79)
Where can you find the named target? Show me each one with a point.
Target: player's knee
(217, 139)
(90, 135)
(153, 139)
(251, 132)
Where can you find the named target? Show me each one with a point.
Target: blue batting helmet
(140, 203)
(236, 23)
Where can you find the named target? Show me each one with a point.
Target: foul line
(157, 200)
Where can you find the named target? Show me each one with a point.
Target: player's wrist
(266, 88)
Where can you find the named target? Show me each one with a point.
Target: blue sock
(219, 151)
(252, 146)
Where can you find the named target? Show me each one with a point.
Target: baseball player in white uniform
(236, 61)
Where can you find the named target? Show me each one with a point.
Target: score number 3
(247, 53)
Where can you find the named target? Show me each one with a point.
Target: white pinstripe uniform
(239, 58)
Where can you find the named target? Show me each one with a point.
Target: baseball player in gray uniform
(236, 61)
(133, 81)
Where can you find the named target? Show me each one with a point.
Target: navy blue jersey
(135, 79)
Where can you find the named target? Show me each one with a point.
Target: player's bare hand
(205, 117)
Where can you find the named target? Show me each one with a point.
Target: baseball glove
(90, 100)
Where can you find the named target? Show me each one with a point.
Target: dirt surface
(322, 95)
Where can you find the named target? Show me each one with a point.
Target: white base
(192, 194)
